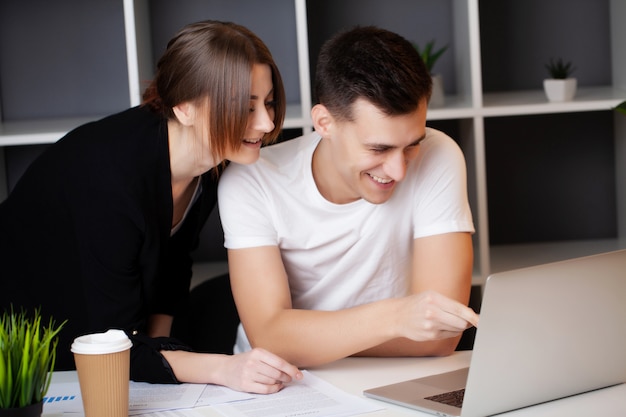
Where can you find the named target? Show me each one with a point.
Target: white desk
(357, 374)
(354, 375)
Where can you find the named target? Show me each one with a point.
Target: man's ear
(185, 113)
(323, 121)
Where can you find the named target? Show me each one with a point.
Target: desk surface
(354, 375)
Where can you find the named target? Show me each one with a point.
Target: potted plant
(561, 86)
(621, 107)
(27, 357)
(430, 56)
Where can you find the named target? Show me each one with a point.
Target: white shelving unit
(469, 108)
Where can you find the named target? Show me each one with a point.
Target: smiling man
(354, 239)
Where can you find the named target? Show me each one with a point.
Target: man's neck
(328, 181)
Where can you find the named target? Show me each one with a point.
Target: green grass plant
(27, 357)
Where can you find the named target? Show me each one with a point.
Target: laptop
(545, 332)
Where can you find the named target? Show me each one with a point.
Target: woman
(99, 229)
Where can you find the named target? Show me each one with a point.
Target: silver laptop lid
(548, 332)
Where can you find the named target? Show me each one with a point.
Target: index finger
(461, 310)
(469, 316)
(282, 365)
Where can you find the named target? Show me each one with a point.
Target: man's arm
(308, 337)
(441, 263)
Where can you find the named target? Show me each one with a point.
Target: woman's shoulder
(133, 121)
(130, 134)
(120, 148)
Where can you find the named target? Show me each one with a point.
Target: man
(355, 239)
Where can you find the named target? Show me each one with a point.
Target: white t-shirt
(342, 255)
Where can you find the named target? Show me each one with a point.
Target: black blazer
(85, 234)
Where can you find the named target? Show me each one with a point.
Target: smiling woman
(261, 118)
(99, 229)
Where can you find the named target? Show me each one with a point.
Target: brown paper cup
(103, 367)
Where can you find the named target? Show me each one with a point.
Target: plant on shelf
(621, 107)
(430, 56)
(27, 357)
(561, 86)
(558, 69)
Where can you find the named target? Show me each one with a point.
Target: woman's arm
(257, 371)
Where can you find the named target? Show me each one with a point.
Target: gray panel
(62, 58)
(272, 20)
(551, 177)
(418, 21)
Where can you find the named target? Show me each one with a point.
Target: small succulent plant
(559, 69)
(428, 55)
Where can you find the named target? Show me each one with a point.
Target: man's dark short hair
(373, 64)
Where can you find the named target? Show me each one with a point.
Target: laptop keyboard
(453, 398)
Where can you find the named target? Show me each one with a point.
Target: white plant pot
(560, 90)
(437, 98)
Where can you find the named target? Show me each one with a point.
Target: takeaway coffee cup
(103, 367)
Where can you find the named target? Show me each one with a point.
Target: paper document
(183, 412)
(63, 397)
(145, 396)
(217, 394)
(311, 396)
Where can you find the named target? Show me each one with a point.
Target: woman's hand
(258, 371)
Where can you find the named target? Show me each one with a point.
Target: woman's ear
(185, 113)
(322, 120)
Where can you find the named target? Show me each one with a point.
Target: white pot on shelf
(437, 98)
(560, 90)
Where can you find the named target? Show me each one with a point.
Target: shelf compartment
(419, 21)
(518, 37)
(55, 61)
(551, 178)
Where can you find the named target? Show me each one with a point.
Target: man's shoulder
(290, 147)
(280, 157)
(437, 136)
(438, 142)
(437, 152)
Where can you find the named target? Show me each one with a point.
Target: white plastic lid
(110, 341)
